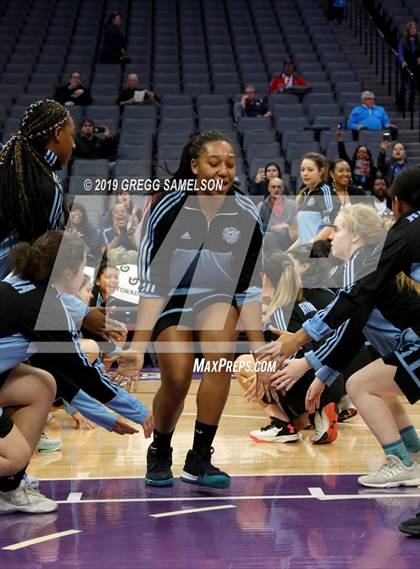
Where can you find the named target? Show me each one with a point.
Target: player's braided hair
(24, 172)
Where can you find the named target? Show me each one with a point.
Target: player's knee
(178, 383)
(16, 458)
(45, 382)
(355, 385)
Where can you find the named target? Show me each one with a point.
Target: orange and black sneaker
(347, 414)
(326, 420)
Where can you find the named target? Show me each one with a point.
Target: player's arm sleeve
(336, 352)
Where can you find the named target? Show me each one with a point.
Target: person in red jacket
(288, 79)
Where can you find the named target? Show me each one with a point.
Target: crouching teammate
(34, 318)
(398, 372)
(30, 392)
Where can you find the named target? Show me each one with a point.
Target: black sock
(203, 437)
(10, 483)
(162, 441)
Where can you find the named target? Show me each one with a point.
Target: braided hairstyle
(24, 173)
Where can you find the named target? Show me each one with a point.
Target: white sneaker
(326, 420)
(415, 456)
(276, 432)
(26, 500)
(391, 474)
(46, 444)
(29, 480)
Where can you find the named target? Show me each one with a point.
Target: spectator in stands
(340, 181)
(73, 92)
(78, 222)
(288, 80)
(106, 283)
(259, 186)
(278, 214)
(369, 116)
(119, 240)
(398, 162)
(133, 94)
(91, 146)
(251, 105)
(380, 191)
(123, 197)
(362, 164)
(113, 47)
(409, 57)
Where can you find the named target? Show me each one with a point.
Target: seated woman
(287, 310)
(119, 241)
(362, 165)
(342, 183)
(79, 223)
(259, 186)
(396, 164)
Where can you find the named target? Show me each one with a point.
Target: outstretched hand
(285, 378)
(130, 364)
(313, 395)
(82, 422)
(122, 428)
(280, 349)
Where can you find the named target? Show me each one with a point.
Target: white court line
(230, 498)
(191, 511)
(36, 540)
(316, 492)
(85, 476)
(74, 497)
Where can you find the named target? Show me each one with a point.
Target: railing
(381, 54)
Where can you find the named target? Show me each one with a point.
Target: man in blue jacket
(367, 115)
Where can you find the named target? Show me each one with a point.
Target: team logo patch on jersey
(231, 235)
(186, 235)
